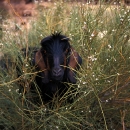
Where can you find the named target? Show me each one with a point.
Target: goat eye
(44, 51)
(66, 50)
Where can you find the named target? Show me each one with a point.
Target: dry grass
(101, 35)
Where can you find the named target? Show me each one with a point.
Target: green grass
(101, 36)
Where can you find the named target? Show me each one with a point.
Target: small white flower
(114, 3)
(102, 34)
(118, 74)
(20, 93)
(106, 100)
(45, 109)
(84, 82)
(17, 90)
(121, 19)
(113, 30)
(125, 35)
(57, 127)
(109, 46)
(92, 35)
(84, 14)
(1, 45)
(92, 58)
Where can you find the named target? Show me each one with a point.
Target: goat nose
(57, 71)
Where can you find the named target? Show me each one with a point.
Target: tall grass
(101, 36)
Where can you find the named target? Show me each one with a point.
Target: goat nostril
(57, 71)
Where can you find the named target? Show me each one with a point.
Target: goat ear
(39, 62)
(74, 63)
(45, 40)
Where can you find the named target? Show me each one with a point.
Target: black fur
(55, 51)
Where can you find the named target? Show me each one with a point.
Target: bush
(101, 36)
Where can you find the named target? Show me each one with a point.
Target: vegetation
(101, 36)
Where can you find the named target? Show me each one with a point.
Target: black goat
(57, 61)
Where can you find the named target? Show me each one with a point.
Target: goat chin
(58, 79)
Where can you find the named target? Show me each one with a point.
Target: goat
(57, 63)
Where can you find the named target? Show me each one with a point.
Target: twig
(16, 13)
(120, 89)
(122, 119)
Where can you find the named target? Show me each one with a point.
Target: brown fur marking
(39, 61)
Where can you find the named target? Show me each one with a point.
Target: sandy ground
(22, 13)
